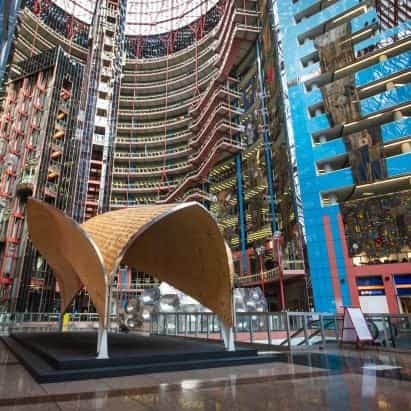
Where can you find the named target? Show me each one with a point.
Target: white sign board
(355, 326)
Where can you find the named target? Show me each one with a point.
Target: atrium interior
(287, 121)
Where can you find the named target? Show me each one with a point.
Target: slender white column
(228, 336)
(103, 346)
(102, 340)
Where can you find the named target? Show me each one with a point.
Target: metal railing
(284, 330)
(291, 330)
(43, 322)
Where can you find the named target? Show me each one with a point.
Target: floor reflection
(335, 380)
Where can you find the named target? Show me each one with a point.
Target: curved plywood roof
(178, 243)
(75, 260)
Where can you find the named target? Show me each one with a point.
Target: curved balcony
(172, 82)
(154, 155)
(224, 145)
(218, 131)
(153, 113)
(144, 187)
(211, 95)
(169, 124)
(212, 127)
(158, 170)
(59, 21)
(116, 203)
(173, 97)
(198, 194)
(218, 110)
(33, 27)
(139, 72)
(152, 141)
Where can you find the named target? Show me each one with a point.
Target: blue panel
(311, 186)
(318, 123)
(384, 69)
(302, 5)
(330, 149)
(398, 165)
(401, 30)
(385, 100)
(402, 279)
(306, 49)
(372, 280)
(335, 179)
(303, 127)
(290, 30)
(314, 97)
(309, 71)
(364, 21)
(404, 291)
(324, 15)
(396, 130)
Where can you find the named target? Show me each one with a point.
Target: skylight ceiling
(146, 17)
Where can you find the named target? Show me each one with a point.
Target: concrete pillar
(406, 147)
(398, 115)
(390, 85)
(390, 294)
(333, 198)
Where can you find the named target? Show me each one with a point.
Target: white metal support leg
(60, 322)
(102, 344)
(99, 334)
(102, 339)
(228, 337)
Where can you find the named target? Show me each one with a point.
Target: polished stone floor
(332, 380)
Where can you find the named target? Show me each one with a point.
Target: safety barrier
(286, 330)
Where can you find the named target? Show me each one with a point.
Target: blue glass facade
(318, 139)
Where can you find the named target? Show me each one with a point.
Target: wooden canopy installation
(177, 243)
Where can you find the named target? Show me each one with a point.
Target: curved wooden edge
(192, 256)
(181, 245)
(69, 251)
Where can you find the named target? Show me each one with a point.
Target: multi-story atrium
(287, 120)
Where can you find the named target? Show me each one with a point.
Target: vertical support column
(241, 212)
(266, 139)
(390, 294)
(102, 340)
(228, 336)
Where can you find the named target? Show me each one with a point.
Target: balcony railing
(265, 276)
(221, 145)
(152, 154)
(145, 186)
(153, 170)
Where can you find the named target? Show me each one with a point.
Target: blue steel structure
(241, 211)
(298, 23)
